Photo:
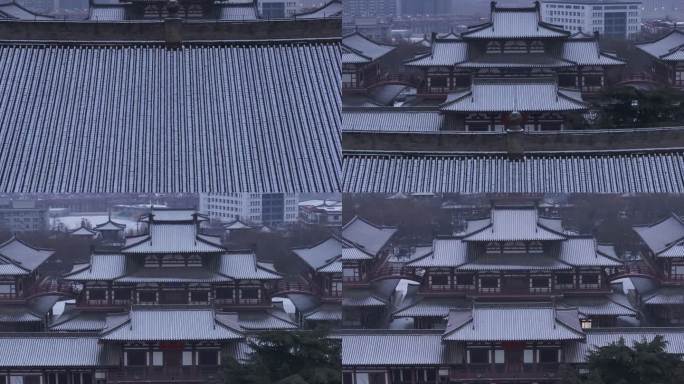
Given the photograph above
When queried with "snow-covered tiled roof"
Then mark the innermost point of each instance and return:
(583, 252)
(159, 323)
(12, 9)
(365, 47)
(172, 238)
(362, 298)
(513, 224)
(83, 231)
(353, 253)
(101, 267)
(445, 253)
(514, 23)
(244, 266)
(173, 275)
(668, 47)
(395, 120)
(237, 224)
(55, 350)
(110, 225)
(587, 52)
(665, 296)
(664, 237)
(430, 307)
(73, 320)
(224, 117)
(351, 56)
(18, 314)
(513, 322)
(325, 312)
(19, 258)
(273, 319)
(367, 236)
(608, 305)
(322, 254)
(614, 172)
(444, 53)
(398, 348)
(507, 94)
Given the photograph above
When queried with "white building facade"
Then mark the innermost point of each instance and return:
(278, 9)
(255, 208)
(611, 18)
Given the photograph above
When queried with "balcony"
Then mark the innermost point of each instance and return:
(472, 291)
(514, 371)
(166, 375)
(395, 271)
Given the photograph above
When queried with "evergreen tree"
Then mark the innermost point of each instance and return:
(645, 362)
(298, 357)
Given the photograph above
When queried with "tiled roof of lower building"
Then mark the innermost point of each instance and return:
(325, 312)
(273, 319)
(159, 323)
(513, 322)
(20, 258)
(371, 238)
(393, 348)
(55, 350)
(139, 117)
(620, 172)
(431, 307)
(665, 296)
(608, 305)
(663, 237)
(522, 95)
(383, 120)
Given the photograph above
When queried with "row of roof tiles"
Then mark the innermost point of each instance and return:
(631, 172)
(217, 117)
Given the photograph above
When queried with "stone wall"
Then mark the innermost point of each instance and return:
(565, 141)
(171, 30)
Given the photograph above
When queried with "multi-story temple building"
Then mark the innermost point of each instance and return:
(361, 62)
(25, 300)
(146, 343)
(171, 263)
(515, 254)
(167, 305)
(318, 292)
(366, 247)
(667, 56)
(513, 297)
(515, 42)
(530, 343)
(663, 252)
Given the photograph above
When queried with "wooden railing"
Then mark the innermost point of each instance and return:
(504, 371)
(165, 374)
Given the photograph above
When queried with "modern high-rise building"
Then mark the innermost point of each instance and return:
(255, 208)
(22, 216)
(366, 8)
(277, 9)
(612, 18)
